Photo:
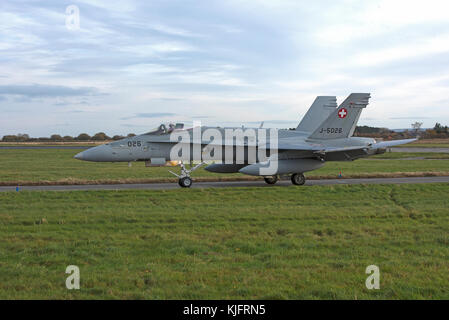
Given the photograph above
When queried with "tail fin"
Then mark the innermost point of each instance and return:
(317, 113)
(342, 122)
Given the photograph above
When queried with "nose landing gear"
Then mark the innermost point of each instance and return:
(185, 180)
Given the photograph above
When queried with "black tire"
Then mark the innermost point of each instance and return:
(298, 179)
(271, 180)
(185, 182)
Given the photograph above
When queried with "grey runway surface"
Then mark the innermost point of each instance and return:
(261, 184)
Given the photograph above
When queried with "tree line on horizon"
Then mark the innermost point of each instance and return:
(438, 131)
(83, 137)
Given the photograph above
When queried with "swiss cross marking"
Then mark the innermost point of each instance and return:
(342, 113)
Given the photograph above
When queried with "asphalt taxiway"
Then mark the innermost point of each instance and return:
(222, 184)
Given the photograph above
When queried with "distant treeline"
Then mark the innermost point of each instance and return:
(100, 136)
(438, 131)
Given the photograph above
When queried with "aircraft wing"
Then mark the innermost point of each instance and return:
(292, 144)
(380, 145)
(296, 145)
(283, 143)
(319, 148)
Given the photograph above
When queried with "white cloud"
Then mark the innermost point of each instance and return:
(149, 50)
(354, 21)
(419, 48)
(112, 5)
(232, 61)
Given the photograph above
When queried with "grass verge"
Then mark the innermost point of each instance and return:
(232, 243)
(57, 166)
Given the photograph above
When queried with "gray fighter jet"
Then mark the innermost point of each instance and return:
(324, 134)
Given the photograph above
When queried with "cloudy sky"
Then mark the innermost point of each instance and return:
(133, 64)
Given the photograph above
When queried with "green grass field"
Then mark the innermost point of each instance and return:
(231, 243)
(58, 165)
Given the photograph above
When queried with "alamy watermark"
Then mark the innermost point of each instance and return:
(72, 18)
(373, 280)
(73, 280)
(228, 145)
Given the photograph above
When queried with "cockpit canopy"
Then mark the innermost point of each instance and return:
(166, 128)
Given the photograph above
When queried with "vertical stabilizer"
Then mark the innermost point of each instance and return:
(321, 108)
(342, 121)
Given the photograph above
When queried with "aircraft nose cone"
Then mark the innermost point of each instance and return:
(96, 154)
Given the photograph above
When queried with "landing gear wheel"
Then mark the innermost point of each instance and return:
(184, 179)
(185, 182)
(271, 180)
(298, 179)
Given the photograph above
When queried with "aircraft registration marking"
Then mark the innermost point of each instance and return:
(134, 144)
(331, 130)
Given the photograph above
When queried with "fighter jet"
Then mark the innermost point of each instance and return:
(324, 134)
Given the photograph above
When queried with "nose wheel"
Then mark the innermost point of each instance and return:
(298, 179)
(185, 180)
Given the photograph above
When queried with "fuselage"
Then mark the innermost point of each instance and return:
(158, 145)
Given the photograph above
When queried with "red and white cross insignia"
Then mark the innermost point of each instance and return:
(342, 113)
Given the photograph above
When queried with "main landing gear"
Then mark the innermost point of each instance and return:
(185, 180)
(298, 179)
(271, 179)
